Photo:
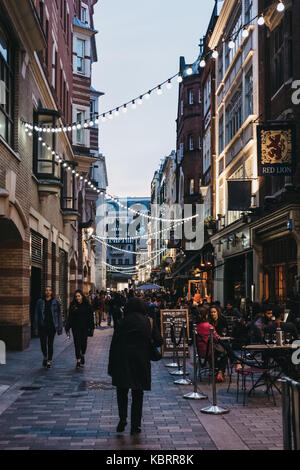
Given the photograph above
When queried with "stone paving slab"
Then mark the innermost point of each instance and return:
(61, 415)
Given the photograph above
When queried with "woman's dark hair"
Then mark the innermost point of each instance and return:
(218, 310)
(202, 314)
(84, 298)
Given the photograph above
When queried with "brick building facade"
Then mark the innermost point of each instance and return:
(44, 209)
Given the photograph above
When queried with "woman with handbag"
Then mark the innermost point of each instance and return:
(129, 362)
(81, 320)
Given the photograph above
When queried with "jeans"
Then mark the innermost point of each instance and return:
(80, 342)
(136, 406)
(47, 339)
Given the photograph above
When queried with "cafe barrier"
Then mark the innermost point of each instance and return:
(173, 364)
(179, 371)
(184, 380)
(195, 395)
(214, 409)
(290, 414)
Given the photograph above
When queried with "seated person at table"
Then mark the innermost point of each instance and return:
(216, 319)
(240, 334)
(286, 327)
(231, 311)
(256, 330)
(204, 349)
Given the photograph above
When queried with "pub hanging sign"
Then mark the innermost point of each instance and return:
(276, 149)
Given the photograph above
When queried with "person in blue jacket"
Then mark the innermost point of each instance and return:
(47, 322)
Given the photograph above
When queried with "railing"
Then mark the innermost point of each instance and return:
(291, 414)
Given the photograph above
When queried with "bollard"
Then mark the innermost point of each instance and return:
(174, 363)
(286, 421)
(179, 371)
(195, 395)
(214, 409)
(184, 380)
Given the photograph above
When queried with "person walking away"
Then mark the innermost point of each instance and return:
(129, 362)
(81, 321)
(47, 322)
(107, 308)
(97, 306)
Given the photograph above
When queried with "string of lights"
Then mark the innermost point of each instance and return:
(110, 114)
(115, 112)
(245, 32)
(120, 249)
(147, 235)
(137, 266)
(60, 160)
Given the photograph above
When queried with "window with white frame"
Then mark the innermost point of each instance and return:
(191, 142)
(191, 97)
(80, 56)
(233, 116)
(79, 132)
(235, 215)
(84, 14)
(249, 93)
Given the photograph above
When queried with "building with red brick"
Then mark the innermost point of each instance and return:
(47, 213)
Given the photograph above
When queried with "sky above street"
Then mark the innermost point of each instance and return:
(139, 44)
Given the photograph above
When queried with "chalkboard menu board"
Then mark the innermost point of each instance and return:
(179, 318)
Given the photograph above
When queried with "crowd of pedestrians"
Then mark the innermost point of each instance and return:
(136, 320)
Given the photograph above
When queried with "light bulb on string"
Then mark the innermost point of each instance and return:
(280, 6)
(148, 95)
(78, 126)
(103, 119)
(133, 104)
(261, 20)
(245, 32)
(110, 116)
(159, 90)
(85, 125)
(202, 63)
(215, 54)
(124, 109)
(97, 121)
(179, 79)
(189, 71)
(169, 84)
(231, 44)
(140, 100)
(91, 123)
(117, 112)
(69, 128)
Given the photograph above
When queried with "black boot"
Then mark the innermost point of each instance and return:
(122, 425)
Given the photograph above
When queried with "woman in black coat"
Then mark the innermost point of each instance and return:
(81, 320)
(129, 362)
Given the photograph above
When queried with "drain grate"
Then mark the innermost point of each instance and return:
(29, 389)
(95, 385)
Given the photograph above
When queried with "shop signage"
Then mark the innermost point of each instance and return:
(179, 318)
(276, 149)
(239, 195)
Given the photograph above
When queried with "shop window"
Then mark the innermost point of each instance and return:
(45, 164)
(6, 88)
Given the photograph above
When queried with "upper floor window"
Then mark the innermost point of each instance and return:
(84, 16)
(233, 117)
(248, 11)
(68, 181)
(191, 142)
(79, 132)
(249, 93)
(45, 164)
(199, 97)
(277, 57)
(93, 112)
(181, 107)
(6, 88)
(80, 56)
(191, 97)
(237, 35)
(221, 134)
(207, 95)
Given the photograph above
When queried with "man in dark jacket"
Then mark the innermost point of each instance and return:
(129, 362)
(47, 322)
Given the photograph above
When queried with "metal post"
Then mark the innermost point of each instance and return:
(195, 395)
(179, 371)
(173, 364)
(287, 438)
(214, 409)
(184, 380)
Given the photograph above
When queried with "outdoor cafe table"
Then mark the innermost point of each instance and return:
(266, 377)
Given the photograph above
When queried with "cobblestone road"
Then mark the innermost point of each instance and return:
(69, 409)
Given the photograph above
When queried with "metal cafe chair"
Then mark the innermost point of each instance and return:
(203, 361)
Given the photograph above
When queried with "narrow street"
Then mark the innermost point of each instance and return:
(68, 409)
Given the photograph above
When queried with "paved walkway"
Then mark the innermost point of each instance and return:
(68, 409)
